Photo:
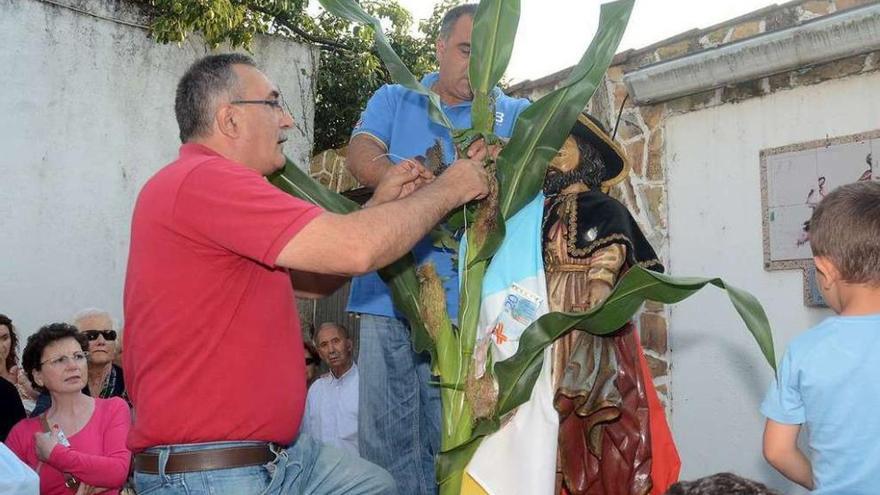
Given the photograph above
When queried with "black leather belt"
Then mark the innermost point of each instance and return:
(205, 460)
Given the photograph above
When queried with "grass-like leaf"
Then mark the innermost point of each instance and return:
(350, 10)
(543, 127)
(494, 32)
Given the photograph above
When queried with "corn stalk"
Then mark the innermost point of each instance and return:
(518, 175)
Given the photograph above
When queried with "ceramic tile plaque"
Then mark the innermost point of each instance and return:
(794, 179)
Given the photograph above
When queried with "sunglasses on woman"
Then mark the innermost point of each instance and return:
(107, 334)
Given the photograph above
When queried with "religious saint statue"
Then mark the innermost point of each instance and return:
(608, 407)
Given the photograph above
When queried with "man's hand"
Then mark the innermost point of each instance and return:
(467, 179)
(400, 181)
(479, 150)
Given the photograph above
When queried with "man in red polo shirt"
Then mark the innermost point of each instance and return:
(214, 357)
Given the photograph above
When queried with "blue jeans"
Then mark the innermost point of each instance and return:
(306, 467)
(399, 417)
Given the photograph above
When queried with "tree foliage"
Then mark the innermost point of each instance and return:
(350, 69)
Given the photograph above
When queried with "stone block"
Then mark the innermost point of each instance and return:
(328, 168)
(615, 73)
(657, 366)
(635, 154)
(714, 38)
(694, 102)
(745, 30)
(599, 105)
(818, 7)
(316, 164)
(343, 180)
(785, 17)
(871, 61)
(779, 82)
(653, 332)
(655, 197)
(628, 128)
(848, 4)
(629, 197)
(674, 50)
(620, 93)
(663, 392)
(653, 115)
(642, 60)
(654, 165)
(832, 70)
(741, 91)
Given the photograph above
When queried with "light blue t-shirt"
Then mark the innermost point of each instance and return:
(829, 381)
(398, 118)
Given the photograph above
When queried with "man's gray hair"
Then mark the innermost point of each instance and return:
(92, 313)
(207, 80)
(453, 15)
(331, 324)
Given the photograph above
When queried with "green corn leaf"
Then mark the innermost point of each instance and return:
(350, 10)
(517, 375)
(400, 276)
(297, 183)
(453, 462)
(542, 128)
(492, 38)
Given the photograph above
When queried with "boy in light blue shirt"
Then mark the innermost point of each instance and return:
(829, 378)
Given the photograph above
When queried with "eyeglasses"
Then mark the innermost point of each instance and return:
(278, 103)
(63, 361)
(107, 334)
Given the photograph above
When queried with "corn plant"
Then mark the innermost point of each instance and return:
(516, 177)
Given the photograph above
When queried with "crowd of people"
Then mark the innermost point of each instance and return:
(218, 391)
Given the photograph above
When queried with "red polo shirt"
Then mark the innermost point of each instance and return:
(213, 349)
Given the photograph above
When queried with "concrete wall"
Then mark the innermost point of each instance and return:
(86, 118)
(714, 208)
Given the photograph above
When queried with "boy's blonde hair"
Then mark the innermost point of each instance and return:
(845, 228)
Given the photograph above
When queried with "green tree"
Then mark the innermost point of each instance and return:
(350, 68)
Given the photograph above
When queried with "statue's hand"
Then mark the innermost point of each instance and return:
(597, 293)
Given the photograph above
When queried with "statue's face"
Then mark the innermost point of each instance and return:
(568, 157)
(574, 164)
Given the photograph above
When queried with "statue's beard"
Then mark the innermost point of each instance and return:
(589, 174)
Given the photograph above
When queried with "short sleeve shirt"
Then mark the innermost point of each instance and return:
(829, 381)
(213, 349)
(397, 118)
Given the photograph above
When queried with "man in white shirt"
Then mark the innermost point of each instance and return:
(332, 404)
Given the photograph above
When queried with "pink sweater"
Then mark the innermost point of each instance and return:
(97, 454)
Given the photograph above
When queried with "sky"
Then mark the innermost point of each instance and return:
(553, 34)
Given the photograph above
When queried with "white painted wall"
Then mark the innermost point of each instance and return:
(718, 376)
(86, 117)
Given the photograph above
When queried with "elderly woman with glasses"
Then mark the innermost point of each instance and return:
(78, 444)
(105, 378)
